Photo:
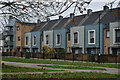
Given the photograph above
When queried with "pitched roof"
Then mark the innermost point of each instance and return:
(105, 18)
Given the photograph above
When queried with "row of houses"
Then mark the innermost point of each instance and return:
(95, 33)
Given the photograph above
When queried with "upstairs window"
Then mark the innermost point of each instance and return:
(18, 38)
(91, 36)
(58, 39)
(107, 34)
(76, 38)
(68, 36)
(26, 41)
(117, 35)
(18, 28)
(47, 39)
(34, 40)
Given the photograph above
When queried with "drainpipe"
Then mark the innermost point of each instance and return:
(99, 33)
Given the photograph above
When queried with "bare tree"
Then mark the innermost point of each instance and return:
(26, 11)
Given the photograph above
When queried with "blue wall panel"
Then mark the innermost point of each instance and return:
(38, 35)
(63, 44)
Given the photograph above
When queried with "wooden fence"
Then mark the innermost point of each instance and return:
(69, 56)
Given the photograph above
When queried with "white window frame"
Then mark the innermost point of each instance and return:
(45, 40)
(33, 40)
(78, 37)
(18, 28)
(106, 33)
(27, 42)
(114, 35)
(19, 38)
(89, 37)
(57, 39)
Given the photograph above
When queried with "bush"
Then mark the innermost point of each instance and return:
(46, 49)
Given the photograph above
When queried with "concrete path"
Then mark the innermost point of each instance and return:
(33, 65)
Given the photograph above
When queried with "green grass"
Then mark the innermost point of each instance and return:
(58, 62)
(8, 69)
(63, 75)
(71, 67)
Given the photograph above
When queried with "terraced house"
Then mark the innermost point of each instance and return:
(21, 28)
(78, 34)
(91, 33)
(77, 39)
(115, 38)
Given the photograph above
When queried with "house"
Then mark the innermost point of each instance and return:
(36, 41)
(1, 43)
(48, 38)
(21, 28)
(28, 42)
(115, 38)
(77, 34)
(106, 40)
(94, 38)
(60, 39)
(77, 39)
(9, 34)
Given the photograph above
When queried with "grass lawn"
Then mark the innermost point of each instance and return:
(8, 69)
(64, 75)
(58, 62)
(72, 67)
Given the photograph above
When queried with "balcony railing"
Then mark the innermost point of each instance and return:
(8, 43)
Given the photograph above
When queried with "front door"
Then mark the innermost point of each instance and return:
(114, 51)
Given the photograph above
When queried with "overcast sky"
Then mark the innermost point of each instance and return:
(95, 5)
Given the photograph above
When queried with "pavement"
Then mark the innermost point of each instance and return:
(34, 65)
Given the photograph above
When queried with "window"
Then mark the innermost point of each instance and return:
(117, 35)
(26, 41)
(91, 37)
(18, 38)
(75, 37)
(107, 34)
(34, 40)
(58, 39)
(18, 28)
(68, 36)
(47, 39)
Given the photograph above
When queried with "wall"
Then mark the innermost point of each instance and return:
(38, 35)
(106, 43)
(63, 44)
(28, 34)
(12, 22)
(68, 43)
(50, 36)
(114, 45)
(23, 28)
(79, 29)
(96, 45)
(112, 26)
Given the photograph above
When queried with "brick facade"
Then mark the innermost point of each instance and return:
(106, 42)
(20, 33)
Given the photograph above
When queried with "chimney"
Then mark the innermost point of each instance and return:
(89, 11)
(60, 17)
(11, 17)
(38, 21)
(72, 15)
(105, 8)
(48, 19)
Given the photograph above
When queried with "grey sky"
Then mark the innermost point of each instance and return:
(95, 5)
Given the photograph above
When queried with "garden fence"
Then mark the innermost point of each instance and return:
(68, 56)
